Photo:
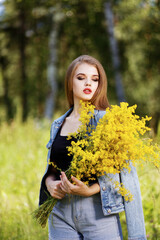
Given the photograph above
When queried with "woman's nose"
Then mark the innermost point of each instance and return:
(88, 82)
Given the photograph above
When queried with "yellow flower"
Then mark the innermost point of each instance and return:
(107, 149)
(116, 141)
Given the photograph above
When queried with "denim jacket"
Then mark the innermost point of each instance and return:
(112, 202)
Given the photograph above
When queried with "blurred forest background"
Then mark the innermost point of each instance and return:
(38, 41)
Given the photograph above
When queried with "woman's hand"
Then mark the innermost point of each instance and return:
(79, 188)
(53, 187)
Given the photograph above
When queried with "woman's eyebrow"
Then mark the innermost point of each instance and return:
(80, 74)
(95, 75)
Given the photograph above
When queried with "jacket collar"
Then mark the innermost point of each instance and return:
(60, 120)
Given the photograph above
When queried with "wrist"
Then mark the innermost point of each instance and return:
(48, 180)
(93, 189)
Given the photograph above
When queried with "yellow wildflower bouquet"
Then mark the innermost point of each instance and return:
(110, 147)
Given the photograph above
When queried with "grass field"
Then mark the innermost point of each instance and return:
(22, 163)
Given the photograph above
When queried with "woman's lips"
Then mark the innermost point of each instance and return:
(87, 91)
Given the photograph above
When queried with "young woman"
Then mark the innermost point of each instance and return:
(87, 212)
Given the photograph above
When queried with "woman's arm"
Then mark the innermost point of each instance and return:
(79, 188)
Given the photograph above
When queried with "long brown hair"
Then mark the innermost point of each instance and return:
(99, 99)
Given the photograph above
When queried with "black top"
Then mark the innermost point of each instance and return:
(59, 151)
(59, 155)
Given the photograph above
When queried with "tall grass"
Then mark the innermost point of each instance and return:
(22, 163)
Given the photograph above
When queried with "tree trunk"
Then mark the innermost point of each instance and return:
(7, 100)
(24, 86)
(51, 72)
(114, 52)
(155, 123)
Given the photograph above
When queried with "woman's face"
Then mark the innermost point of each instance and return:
(85, 82)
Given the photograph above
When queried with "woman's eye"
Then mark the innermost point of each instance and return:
(95, 79)
(80, 78)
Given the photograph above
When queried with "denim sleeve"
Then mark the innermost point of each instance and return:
(43, 195)
(134, 209)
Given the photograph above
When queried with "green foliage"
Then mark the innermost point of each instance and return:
(73, 40)
(22, 163)
(81, 30)
(137, 29)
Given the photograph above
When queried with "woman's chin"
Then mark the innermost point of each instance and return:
(86, 98)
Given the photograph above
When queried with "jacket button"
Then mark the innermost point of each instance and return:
(104, 188)
(109, 211)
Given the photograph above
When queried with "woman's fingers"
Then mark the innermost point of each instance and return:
(77, 181)
(57, 193)
(79, 188)
(59, 188)
(64, 180)
(55, 189)
(66, 185)
(63, 188)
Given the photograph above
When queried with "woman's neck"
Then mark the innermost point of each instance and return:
(75, 113)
